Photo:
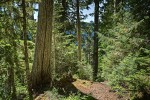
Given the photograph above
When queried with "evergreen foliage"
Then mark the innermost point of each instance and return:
(123, 46)
(122, 39)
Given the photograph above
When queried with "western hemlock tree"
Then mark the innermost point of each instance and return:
(95, 51)
(26, 50)
(78, 31)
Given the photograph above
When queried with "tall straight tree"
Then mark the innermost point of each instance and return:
(24, 25)
(95, 51)
(41, 70)
(8, 34)
(78, 30)
(117, 6)
(64, 10)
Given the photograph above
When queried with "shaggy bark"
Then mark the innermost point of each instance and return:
(42, 71)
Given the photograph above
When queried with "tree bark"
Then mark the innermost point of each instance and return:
(95, 51)
(13, 95)
(26, 50)
(64, 12)
(78, 31)
(41, 70)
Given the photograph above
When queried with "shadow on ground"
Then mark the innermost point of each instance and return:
(67, 88)
(64, 88)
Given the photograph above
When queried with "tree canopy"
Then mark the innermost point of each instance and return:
(59, 47)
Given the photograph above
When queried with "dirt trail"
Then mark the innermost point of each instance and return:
(99, 91)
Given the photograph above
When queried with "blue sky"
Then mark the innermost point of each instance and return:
(89, 11)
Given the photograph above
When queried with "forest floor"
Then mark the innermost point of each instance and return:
(97, 90)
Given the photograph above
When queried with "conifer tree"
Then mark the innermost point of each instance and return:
(95, 50)
(78, 30)
(41, 71)
(24, 25)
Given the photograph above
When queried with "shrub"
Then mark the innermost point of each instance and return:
(84, 70)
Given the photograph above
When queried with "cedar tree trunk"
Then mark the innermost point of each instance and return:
(41, 70)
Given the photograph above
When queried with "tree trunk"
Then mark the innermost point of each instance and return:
(13, 95)
(117, 6)
(42, 71)
(114, 7)
(11, 89)
(64, 10)
(26, 50)
(78, 31)
(95, 51)
(53, 56)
